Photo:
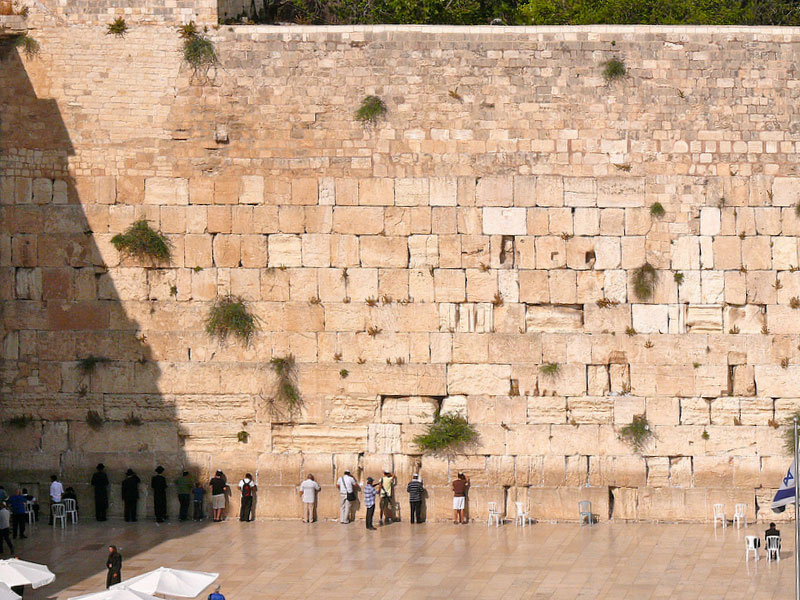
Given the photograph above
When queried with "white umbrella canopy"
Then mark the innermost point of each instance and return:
(116, 594)
(14, 571)
(6, 593)
(170, 582)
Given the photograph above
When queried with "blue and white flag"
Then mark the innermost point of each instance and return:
(786, 492)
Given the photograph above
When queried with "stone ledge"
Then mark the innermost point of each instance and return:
(11, 25)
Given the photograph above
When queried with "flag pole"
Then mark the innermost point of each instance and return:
(796, 511)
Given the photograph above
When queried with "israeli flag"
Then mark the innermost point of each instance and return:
(786, 492)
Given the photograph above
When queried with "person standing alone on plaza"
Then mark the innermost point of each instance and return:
(56, 493)
(100, 485)
(369, 501)
(460, 487)
(347, 496)
(114, 566)
(248, 487)
(130, 495)
(415, 491)
(308, 492)
(19, 519)
(159, 485)
(388, 481)
(183, 487)
(219, 485)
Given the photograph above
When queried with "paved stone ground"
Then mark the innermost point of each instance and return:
(292, 560)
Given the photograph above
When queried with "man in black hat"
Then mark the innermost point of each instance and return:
(100, 484)
(130, 494)
(159, 485)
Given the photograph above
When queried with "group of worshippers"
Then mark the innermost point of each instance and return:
(189, 492)
(380, 492)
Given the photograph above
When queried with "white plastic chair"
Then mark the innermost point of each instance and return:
(719, 514)
(585, 512)
(493, 514)
(30, 512)
(740, 515)
(59, 514)
(751, 545)
(71, 509)
(773, 547)
(522, 514)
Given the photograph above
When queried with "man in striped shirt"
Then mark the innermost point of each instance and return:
(415, 491)
(369, 501)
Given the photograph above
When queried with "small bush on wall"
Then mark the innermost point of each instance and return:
(447, 434)
(614, 69)
(644, 281)
(118, 27)
(231, 316)
(198, 51)
(142, 242)
(371, 109)
(286, 392)
(637, 434)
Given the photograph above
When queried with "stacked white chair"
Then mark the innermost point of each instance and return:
(494, 513)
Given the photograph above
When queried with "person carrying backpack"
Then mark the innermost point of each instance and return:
(248, 488)
(216, 595)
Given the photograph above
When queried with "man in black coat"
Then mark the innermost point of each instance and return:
(130, 494)
(114, 566)
(100, 485)
(159, 485)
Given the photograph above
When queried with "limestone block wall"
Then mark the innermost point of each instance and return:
(490, 224)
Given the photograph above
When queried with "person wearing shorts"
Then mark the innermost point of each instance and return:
(219, 486)
(387, 483)
(460, 487)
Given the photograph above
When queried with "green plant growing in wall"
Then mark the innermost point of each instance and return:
(118, 27)
(549, 369)
(243, 437)
(678, 277)
(19, 421)
(343, 373)
(94, 420)
(231, 316)
(447, 434)
(132, 420)
(657, 210)
(141, 241)
(637, 433)
(29, 46)
(614, 69)
(88, 365)
(644, 281)
(788, 432)
(198, 51)
(371, 109)
(286, 391)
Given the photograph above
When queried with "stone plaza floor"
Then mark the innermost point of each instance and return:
(326, 560)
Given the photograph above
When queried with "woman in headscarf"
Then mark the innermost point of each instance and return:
(114, 566)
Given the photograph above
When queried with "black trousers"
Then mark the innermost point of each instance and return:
(183, 499)
(160, 505)
(5, 535)
(100, 503)
(18, 523)
(130, 509)
(112, 577)
(416, 511)
(246, 512)
(198, 510)
(370, 514)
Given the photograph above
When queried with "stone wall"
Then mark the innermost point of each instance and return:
(491, 224)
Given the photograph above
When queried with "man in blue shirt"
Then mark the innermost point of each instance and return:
(216, 595)
(369, 501)
(17, 503)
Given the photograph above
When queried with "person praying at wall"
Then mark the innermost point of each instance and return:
(100, 485)
(130, 494)
(159, 485)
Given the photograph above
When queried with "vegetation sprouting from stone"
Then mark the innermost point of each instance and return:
(132, 420)
(19, 421)
(198, 51)
(29, 46)
(614, 69)
(243, 437)
(230, 316)
(142, 242)
(549, 369)
(371, 109)
(88, 365)
(637, 433)
(448, 433)
(286, 392)
(117, 27)
(644, 281)
(678, 277)
(657, 210)
(788, 432)
(94, 420)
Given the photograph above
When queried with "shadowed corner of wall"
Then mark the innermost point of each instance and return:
(59, 306)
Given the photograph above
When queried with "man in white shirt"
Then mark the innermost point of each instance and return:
(56, 491)
(248, 488)
(308, 492)
(347, 496)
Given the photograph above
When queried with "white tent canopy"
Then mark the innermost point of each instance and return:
(21, 572)
(7, 594)
(170, 582)
(116, 594)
